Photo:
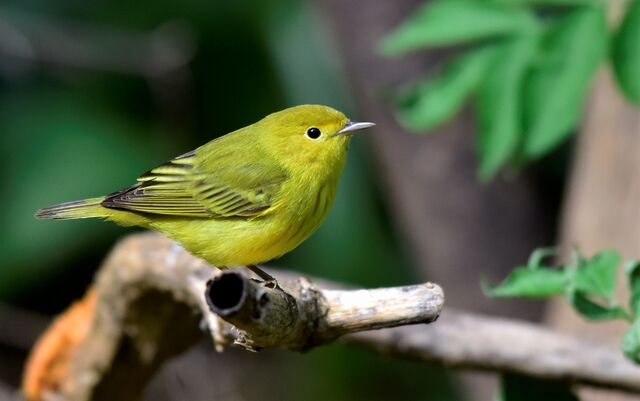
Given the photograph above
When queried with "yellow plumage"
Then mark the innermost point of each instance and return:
(244, 198)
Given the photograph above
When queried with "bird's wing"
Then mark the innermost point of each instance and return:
(185, 187)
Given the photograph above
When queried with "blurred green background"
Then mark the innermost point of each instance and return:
(94, 93)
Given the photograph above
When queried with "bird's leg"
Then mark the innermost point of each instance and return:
(269, 280)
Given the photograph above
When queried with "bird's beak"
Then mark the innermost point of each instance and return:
(351, 126)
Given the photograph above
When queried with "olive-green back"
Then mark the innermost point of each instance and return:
(232, 176)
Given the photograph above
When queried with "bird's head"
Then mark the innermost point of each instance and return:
(310, 136)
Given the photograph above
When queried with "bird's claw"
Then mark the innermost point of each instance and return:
(273, 284)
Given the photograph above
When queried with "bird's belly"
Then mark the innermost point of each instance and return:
(238, 242)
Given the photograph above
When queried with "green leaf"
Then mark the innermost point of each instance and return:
(555, 90)
(522, 388)
(537, 256)
(595, 311)
(499, 104)
(435, 100)
(631, 342)
(597, 276)
(530, 283)
(625, 53)
(592, 282)
(632, 270)
(548, 3)
(453, 22)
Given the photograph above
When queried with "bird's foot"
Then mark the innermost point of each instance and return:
(273, 284)
(268, 280)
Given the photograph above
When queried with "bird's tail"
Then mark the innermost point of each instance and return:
(80, 209)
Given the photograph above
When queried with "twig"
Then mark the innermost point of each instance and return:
(150, 299)
(29, 39)
(161, 56)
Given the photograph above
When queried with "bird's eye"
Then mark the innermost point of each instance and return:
(313, 133)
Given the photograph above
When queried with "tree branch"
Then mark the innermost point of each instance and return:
(301, 315)
(141, 312)
(148, 298)
(464, 340)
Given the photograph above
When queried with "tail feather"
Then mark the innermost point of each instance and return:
(80, 209)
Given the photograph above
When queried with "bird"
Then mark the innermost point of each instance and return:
(241, 199)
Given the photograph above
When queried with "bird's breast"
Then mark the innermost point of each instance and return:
(305, 213)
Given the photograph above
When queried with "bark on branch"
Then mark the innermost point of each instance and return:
(148, 301)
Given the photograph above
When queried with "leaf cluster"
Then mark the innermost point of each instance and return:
(588, 284)
(526, 65)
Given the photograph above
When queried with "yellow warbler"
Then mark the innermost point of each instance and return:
(244, 198)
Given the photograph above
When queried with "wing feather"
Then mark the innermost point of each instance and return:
(181, 187)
